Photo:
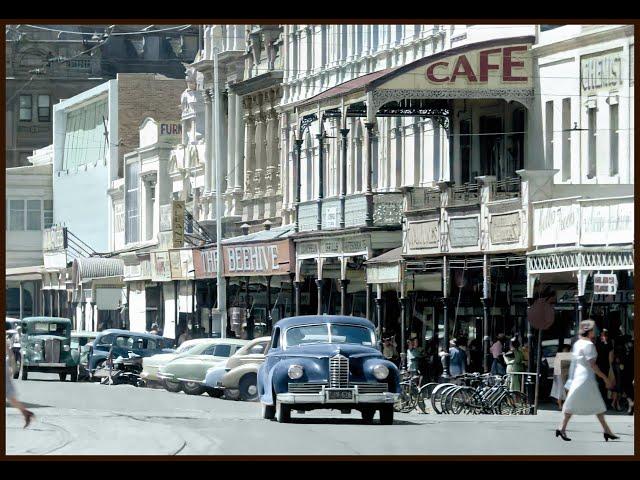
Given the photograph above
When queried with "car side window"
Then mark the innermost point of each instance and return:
(209, 350)
(152, 344)
(107, 340)
(276, 338)
(223, 350)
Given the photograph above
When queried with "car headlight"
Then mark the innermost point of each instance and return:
(380, 372)
(66, 348)
(295, 372)
(37, 347)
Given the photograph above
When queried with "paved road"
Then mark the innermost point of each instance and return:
(89, 418)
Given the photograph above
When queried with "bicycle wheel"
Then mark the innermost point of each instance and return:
(436, 396)
(506, 405)
(446, 399)
(424, 395)
(460, 401)
(408, 398)
(520, 402)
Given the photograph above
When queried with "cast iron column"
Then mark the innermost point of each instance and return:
(269, 320)
(486, 339)
(296, 286)
(343, 296)
(581, 311)
(343, 186)
(194, 322)
(529, 336)
(319, 283)
(403, 329)
(248, 308)
(292, 276)
(368, 302)
(369, 172)
(22, 301)
(379, 319)
(320, 138)
(176, 294)
(445, 312)
(298, 179)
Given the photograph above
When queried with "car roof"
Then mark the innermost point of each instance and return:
(307, 319)
(84, 334)
(47, 319)
(118, 331)
(232, 341)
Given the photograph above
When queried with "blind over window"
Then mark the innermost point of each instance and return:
(84, 140)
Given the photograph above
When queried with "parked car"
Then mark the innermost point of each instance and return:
(187, 372)
(123, 341)
(326, 362)
(238, 378)
(151, 365)
(45, 346)
(81, 343)
(12, 333)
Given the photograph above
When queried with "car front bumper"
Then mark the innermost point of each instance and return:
(323, 398)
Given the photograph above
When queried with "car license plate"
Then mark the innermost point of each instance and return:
(340, 395)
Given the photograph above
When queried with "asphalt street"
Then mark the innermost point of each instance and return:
(93, 419)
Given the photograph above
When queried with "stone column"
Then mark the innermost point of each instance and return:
(343, 296)
(259, 172)
(298, 180)
(239, 147)
(249, 158)
(343, 174)
(208, 141)
(272, 153)
(368, 174)
(212, 151)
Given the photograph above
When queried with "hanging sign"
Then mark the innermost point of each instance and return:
(160, 267)
(177, 222)
(605, 284)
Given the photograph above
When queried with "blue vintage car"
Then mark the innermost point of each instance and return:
(326, 362)
(123, 341)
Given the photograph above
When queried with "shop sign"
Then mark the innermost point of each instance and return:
(605, 223)
(108, 298)
(383, 273)
(620, 297)
(307, 249)
(54, 239)
(160, 267)
(464, 232)
(506, 65)
(257, 259)
(505, 228)
(177, 222)
(555, 224)
(181, 264)
(205, 262)
(423, 234)
(601, 71)
(332, 247)
(165, 217)
(355, 246)
(152, 132)
(605, 284)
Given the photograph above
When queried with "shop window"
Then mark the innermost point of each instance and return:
(132, 226)
(44, 108)
(566, 139)
(25, 108)
(613, 139)
(16, 215)
(34, 215)
(592, 144)
(465, 150)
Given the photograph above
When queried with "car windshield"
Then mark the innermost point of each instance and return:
(47, 328)
(334, 333)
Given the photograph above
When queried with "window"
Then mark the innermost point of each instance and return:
(84, 139)
(592, 145)
(48, 213)
(34, 215)
(566, 139)
(131, 206)
(613, 139)
(16, 215)
(223, 351)
(25, 108)
(44, 108)
(465, 149)
(548, 134)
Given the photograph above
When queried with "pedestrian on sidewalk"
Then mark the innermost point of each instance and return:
(514, 359)
(583, 397)
(457, 359)
(561, 366)
(604, 348)
(498, 365)
(11, 391)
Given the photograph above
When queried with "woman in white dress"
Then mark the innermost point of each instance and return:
(584, 397)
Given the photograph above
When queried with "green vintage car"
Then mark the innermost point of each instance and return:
(187, 372)
(45, 346)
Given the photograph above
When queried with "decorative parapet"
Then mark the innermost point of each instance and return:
(387, 209)
(355, 211)
(331, 213)
(307, 216)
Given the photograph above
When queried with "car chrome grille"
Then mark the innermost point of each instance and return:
(338, 371)
(371, 387)
(305, 387)
(52, 350)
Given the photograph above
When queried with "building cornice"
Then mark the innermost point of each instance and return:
(583, 40)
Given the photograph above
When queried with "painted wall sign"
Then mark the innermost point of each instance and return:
(182, 267)
(160, 267)
(601, 71)
(152, 132)
(257, 259)
(505, 228)
(307, 248)
(383, 273)
(555, 224)
(605, 284)
(177, 222)
(608, 222)
(355, 245)
(205, 262)
(165, 217)
(464, 232)
(138, 271)
(424, 234)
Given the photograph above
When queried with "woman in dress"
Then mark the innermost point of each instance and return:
(514, 359)
(584, 396)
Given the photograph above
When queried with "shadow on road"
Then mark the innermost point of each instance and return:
(343, 421)
(31, 405)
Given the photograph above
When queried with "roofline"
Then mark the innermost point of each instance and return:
(447, 53)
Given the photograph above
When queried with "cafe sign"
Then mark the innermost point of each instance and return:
(273, 258)
(54, 239)
(423, 234)
(605, 284)
(505, 228)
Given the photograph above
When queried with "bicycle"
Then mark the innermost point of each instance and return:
(409, 393)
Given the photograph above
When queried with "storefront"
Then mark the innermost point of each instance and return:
(258, 269)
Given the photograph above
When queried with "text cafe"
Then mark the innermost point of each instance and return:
(259, 288)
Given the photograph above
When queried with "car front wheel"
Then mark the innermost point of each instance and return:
(367, 415)
(386, 415)
(74, 375)
(249, 387)
(63, 377)
(283, 412)
(268, 412)
(173, 387)
(192, 388)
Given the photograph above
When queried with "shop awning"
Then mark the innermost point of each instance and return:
(277, 233)
(385, 268)
(392, 256)
(24, 274)
(93, 268)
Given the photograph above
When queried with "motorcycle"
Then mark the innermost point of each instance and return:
(125, 371)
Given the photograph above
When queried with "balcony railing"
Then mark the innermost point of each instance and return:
(424, 199)
(506, 189)
(467, 194)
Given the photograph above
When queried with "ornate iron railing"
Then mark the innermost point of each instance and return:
(506, 189)
(466, 194)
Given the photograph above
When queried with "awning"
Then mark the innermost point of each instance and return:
(89, 268)
(24, 274)
(277, 233)
(385, 268)
(392, 256)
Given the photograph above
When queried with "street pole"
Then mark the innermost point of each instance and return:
(538, 362)
(222, 294)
